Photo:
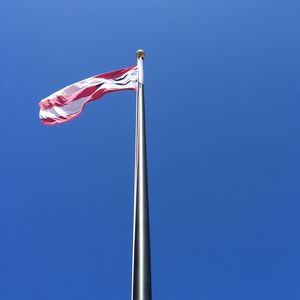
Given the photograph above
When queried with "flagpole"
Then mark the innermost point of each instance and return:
(141, 262)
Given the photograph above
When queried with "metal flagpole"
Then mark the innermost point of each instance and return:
(141, 263)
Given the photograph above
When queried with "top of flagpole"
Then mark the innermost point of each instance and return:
(140, 59)
(140, 53)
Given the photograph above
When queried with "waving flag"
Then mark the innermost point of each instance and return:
(69, 102)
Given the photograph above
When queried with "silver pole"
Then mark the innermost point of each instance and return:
(141, 262)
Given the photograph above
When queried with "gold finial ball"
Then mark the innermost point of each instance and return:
(140, 53)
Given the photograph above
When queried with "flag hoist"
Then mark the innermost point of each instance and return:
(67, 104)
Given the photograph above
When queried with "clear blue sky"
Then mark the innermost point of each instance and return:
(222, 104)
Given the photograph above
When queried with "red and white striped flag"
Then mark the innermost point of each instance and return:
(69, 102)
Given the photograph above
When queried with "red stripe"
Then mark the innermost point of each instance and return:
(114, 74)
(95, 96)
(48, 103)
(101, 92)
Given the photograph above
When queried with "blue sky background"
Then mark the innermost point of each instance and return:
(222, 103)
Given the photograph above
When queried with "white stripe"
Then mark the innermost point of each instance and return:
(63, 111)
(113, 85)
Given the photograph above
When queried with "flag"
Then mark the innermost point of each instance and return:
(69, 102)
